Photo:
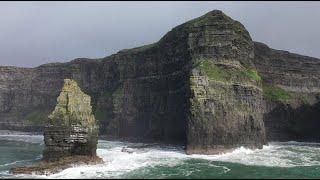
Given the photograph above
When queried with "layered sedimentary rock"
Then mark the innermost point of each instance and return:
(28, 95)
(199, 85)
(226, 102)
(71, 136)
(72, 129)
(291, 86)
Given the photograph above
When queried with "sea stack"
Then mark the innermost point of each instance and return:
(72, 129)
(71, 136)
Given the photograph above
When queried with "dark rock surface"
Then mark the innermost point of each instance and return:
(72, 129)
(48, 168)
(202, 84)
(226, 104)
(71, 137)
(293, 103)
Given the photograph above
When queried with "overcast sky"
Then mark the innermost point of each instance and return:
(34, 33)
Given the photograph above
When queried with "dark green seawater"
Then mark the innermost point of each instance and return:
(277, 160)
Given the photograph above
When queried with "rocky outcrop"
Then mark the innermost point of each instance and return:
(71, 136)
(72, 129)
(28, 95)
(49, 168)
(205, 84)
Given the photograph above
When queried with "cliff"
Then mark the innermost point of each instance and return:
(291, 85)
(205, 83)
(226, 95)
(28, 95)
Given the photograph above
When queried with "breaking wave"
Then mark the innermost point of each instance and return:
(118, 163)
(276, 154)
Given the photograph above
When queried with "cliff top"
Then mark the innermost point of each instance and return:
(214, 16)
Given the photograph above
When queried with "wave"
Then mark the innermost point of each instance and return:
(272, 155)
(118, 163)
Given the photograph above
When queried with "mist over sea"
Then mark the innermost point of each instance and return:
(276, 160)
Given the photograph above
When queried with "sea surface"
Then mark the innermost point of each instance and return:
(276, 160)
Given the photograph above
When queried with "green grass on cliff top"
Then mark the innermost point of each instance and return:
(253, 74)
(275, 93)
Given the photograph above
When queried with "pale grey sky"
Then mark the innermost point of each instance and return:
(34, 33)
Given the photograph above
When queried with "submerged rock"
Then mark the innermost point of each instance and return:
(127, 150)
(71, 136)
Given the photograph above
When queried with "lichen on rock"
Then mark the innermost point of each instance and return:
(73, 106)
(72, 129)
(72, 134)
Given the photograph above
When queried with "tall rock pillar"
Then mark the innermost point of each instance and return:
(72, 129)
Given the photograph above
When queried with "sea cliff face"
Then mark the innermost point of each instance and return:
(205, 84)
(226, 95)
(291, 86)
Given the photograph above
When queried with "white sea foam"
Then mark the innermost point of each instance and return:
(117, 163)
(273, 155)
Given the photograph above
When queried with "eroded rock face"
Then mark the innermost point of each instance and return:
(291, 93)
(149, 92)
(72, 129)
(226, 96)
(202, 85)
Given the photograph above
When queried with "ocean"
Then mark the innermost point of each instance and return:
(275, 160)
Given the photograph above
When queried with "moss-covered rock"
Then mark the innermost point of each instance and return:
(72, 134)
(72, 129)
(253, 74)
(275, 93)
(226, 96)
(73, 106)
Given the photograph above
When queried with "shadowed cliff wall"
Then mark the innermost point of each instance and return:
(205, 83)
